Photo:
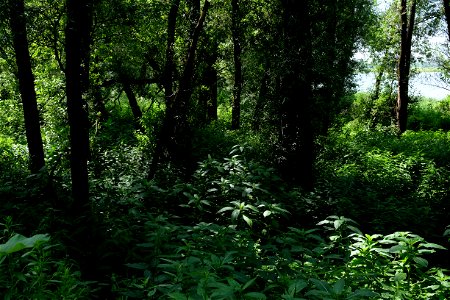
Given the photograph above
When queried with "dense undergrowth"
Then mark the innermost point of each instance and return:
(235, 229)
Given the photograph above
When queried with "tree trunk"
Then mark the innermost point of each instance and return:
(404, 63)
(76, 106)
(208, 91)
(169, 68)
(446, 4)
(261, 101)
(212, 100)
(26, 84)
(237, 89)
(174, 138)
(137, 113)
(297, 137)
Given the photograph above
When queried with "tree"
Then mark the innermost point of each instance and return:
(446, 4)
(296, 110)
(404, 62)
(237, 89)
(77, 12)
(26, 84)
(174, 137)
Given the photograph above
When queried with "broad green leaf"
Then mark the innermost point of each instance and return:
(247, 220)
(354, 229)
(338, 223)
(433, 246)
(267, 213)
(297, 286)
(177, 296)
(321, 285)
(225, 209)
(421, 261)
(338, 287)
(255, 295)
(19, 242)
(399, 276)
(397, 248)
(248, 283)
(235, 214)
(138, 266)
(363, 293)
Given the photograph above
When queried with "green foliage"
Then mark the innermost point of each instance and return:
(365, 108)
(428, 114)
(30, 271)
(388, 182)
(210, 261)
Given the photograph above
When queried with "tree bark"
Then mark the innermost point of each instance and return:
(76, 106)
(404, 63)
(174, 138)
(209, 77)
(26, 84)
(237, 50)
(446, 4)
(137, 113)
(297, 137)
(261, 101)
(169, 68)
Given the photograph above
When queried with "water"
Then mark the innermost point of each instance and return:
(425, 84)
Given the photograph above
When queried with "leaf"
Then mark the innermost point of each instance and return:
(397, 248)
(255, 295)
(225, 209)
(297, 286)
(354, 229)
(433, 246)
(177, 296)
(235, 214)
(421, 261)
(363, 293)
(138, 266)
(267, 213)
(399, 276)
(251, 207)
(19, 242)
(247, 220)
(321, 285)
(338, 287)
(249, 283)
(338, 223)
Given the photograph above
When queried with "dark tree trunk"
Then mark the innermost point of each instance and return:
(208, 91)
(237, 89)
(84, 236)
(26, 84)
(76, 106)
(446, 4)
(261, 101)
(169, 68)
(137, 113)
(212, 100)
(194, 13)
(297, 135)
(404, 63)
(174, 138)
(378, 79)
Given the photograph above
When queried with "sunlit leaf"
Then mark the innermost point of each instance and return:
(247, 220)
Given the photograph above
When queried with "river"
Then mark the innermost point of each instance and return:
(426, 84)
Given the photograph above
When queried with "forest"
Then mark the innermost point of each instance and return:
(221, 149)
